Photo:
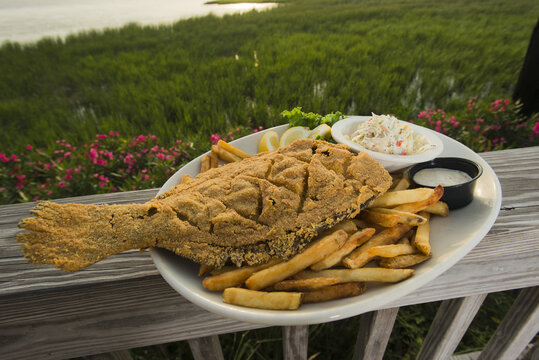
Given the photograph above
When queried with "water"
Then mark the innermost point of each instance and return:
(30, 20)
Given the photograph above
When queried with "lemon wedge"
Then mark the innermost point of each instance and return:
(294, 133)
(322, 130)
(270, 141)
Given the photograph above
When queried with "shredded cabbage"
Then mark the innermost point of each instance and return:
(384, 133)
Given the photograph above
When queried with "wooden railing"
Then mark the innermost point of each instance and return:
(123, 302)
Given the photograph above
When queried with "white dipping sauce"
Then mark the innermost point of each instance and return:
(437, 176)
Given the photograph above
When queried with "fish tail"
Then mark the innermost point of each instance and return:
(74, 236)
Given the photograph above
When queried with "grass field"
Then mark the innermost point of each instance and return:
(205, 75)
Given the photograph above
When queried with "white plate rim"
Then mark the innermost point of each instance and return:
(307, 315)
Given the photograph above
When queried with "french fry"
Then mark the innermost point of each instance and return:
(362, 224)
(304, 259)
(417, 206)
(186, 178)
(360, 256)
(234, 277)
(404, 240)
(402, 184)
(403, 217)
(394, 198)
(214, 160)
(421, 239)
(403, 261)
(360, 275)
(205, 269)
(347, 225)
(231, 149)
(205, 163)
(224, 155)
(353, 242)
(385, 220)
(392, 250)
(333, 292)
(304, 284)
(438, 208)
(262, 299)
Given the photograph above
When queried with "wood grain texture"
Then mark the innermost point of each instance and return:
(517, 329)
(115, 355)
(206, 348)
(123, 302)
(295, 342)
(374, 331)
(449, 326)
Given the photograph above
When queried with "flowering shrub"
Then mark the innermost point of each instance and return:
(485, 127)
(110, 163)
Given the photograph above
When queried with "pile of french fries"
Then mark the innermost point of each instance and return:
(380, 245)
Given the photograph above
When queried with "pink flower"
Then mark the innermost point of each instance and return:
(215, 138)
(114, 189)
(20, 186)
(29, 147)
(96, 175)
(92, 154)
(160, 156)
(146, 177)
(62, 184)
(3, 157)
(35, 198)
(14, 157)
(421, 114)
(67, 177)
(101, 137)
(169, 157)
(536, 127)
(67, 154)
(255, 130)
(20, 177)
(477, 127)
(102, 184)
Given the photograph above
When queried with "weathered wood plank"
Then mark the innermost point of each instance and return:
(295, 342)
(517, 329)
(206, 348)
(102, 318)
(115, 355)
(449, 326)
(374, 331)
(17, 275)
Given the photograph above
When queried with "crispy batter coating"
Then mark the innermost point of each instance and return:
(269, 205)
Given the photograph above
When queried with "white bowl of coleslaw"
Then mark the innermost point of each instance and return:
(396, 144)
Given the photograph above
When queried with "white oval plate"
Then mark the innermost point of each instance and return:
(451, 239)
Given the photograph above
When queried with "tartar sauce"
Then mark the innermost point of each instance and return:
(437, 176)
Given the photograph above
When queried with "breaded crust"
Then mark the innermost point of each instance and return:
(269, 205)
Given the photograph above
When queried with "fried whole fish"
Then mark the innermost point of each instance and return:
(270, 205)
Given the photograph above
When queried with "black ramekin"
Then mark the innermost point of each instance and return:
(455, 196)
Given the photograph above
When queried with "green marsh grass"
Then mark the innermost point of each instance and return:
(204, 75)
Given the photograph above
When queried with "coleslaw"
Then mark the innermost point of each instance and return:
(386, 134)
